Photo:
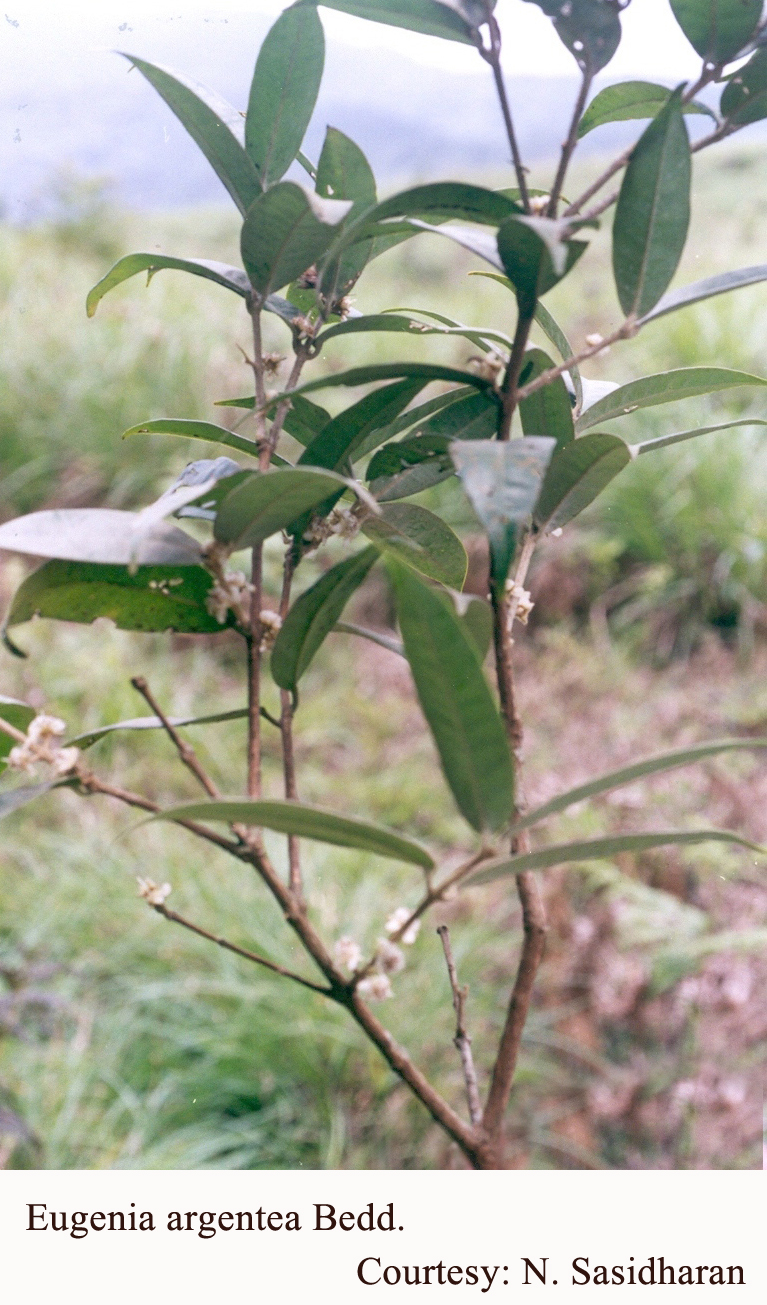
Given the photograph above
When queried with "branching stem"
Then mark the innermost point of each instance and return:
(462, 1040)
(185, 750)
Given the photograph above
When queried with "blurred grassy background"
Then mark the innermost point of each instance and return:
(124, 1041)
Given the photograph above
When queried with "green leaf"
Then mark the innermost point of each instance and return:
(717, 29)
(286, 817)
(502, 481)
(576, 475)
(475, 615)
(706, 289)
(591, 30)
(380, 372)
(428, 16)
(270, 501)
(19, 797)
(630, 100)
(194, 430)
(343, 172)
(232, 278)
(400, 470)
(653, 212)
(535, 254)
(154, 598)
(456, 701)
(662, 442)
(284, 91)
(422, 540)
(213, 125)
(97, 535)
(343, 436)
(409, 325)
(18, 714)
(83, 741)
(594, 849)
(638, 770)
(286, 230)
(548, 411)
(304, 419)
(445, 201)
(664, 387)
(744, 98)
(420, 461)
(313, 616)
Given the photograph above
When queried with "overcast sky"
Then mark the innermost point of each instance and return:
(45, 34)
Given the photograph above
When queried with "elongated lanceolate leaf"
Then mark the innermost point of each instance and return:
(548, 411)
(304, 419)
(664, 387)
(456, 701)
(313, 616)
(678, 437)
(97, 535)
(83, 741)
(653, 211)
(594, 849)
(422, 539)
(286, 230)
(153, 598)
(343, 436)
(286, 817)
(591, 29)
(576, 475)
(535, 254)
(410, 325)
(502, 481)
(427, 16)
(14, 798)
(194, 430)
(270, 501)
(744, 98)
(214, 126)
(232, 278)
(343, 172)
(717, 29)
(631, 100)
(381, 372)
(18, 714)
(422, 460)
(284, 91)
(663, 761)
(706, 289)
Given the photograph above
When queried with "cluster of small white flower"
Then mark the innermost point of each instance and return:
(389, 958)
(521, 603)
(344, 522)
(154, 894)
(231, 590)
(43, 744)
(271, 624)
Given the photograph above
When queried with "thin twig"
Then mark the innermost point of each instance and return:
(286, 731)
(241, 951)
(570, 142)
(626, 331)
(493, 57)
(462, 1040)
(254, 674)
(438, 891)
(185, 750)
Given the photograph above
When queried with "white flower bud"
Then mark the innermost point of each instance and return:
(390, 957)
(154, 894)
(348, 953)
(64, 760)
(376, 987)
(43, 728)
(396, 921)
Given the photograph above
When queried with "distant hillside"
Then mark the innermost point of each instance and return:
(67, 102)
